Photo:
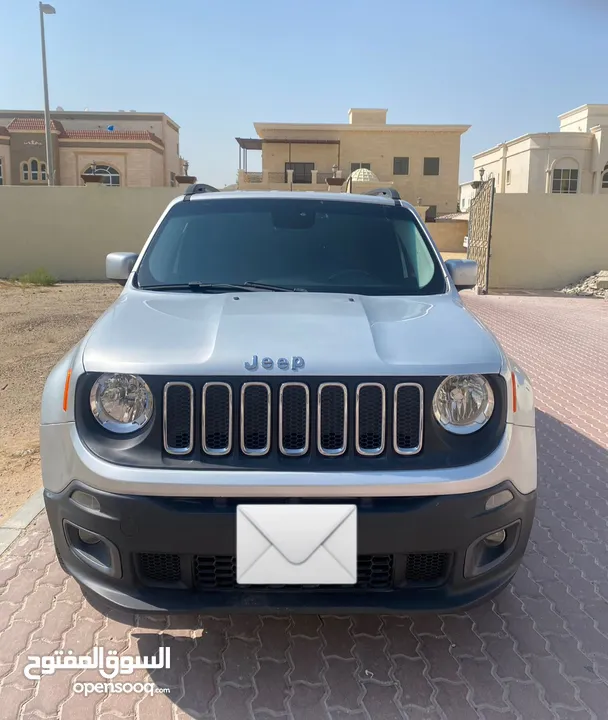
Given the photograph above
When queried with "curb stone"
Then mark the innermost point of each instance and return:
(12, 528)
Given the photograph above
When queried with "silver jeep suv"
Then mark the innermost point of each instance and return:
(289, 348)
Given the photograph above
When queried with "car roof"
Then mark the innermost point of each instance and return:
(298, 195)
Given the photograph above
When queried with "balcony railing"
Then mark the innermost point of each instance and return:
(316, 177)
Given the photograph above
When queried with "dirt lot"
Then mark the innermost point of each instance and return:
(37, 327)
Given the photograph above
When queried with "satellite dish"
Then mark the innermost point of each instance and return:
(111, 128)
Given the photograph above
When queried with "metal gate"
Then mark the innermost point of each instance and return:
(480, 231)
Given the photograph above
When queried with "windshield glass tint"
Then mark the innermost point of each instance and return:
(316, 245)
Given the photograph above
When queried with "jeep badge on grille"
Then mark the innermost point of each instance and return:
(296, 363)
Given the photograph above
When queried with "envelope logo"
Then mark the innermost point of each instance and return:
(296, 544)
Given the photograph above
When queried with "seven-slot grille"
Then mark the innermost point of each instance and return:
(330, 418)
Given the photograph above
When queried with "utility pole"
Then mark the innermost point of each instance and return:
(46, 9)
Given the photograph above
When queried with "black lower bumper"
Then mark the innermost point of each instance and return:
(177, 554)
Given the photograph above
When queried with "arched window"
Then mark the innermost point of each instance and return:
(565, 176)
(33, 171)
(605, 177)
(111, 176)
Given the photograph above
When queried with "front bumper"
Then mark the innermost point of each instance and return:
(175, 554)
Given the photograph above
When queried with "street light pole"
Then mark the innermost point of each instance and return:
(46, 9)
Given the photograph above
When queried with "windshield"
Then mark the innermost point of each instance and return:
(315, 245)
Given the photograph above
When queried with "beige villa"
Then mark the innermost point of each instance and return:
(131, 149)
(420, 161)
(570, 161)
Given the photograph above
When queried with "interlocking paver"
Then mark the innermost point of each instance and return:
(345, 690)
(306, 659)
(540, 650)
(269, 681)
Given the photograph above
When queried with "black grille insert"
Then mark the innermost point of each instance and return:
(160, 567)
(374, 572)
(218, 572)
(370, 419)
(332, 418)
(178, 418)
(294, 418)
(426, 568)
(408, 417)
(217, 418)
(255, 419)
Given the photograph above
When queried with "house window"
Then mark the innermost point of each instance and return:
(604, 178)
(359, 166)
(508, 177)
(431, 166)
(302, 172)
(111, 176)
(33, 171)
(401, 166)
(565, 181)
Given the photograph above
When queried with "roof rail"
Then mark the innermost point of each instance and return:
(384, 192)
(198, 188)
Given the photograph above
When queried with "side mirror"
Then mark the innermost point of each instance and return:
(119, 266)
(463, 273)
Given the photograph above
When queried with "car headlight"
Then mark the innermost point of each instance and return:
(463, 403)
(121, 403)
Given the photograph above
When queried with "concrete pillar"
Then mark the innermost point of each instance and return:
(314, 176)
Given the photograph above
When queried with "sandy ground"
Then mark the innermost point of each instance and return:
(37, 327)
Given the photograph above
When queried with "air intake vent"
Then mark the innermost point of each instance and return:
(255, 418)
(294, 419)
(160, 567)
(408, 418)
(333, 419)
(426, 568)
(178, 420)
(370, 418)
(217, 418)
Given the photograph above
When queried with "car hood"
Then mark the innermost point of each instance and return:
(335, 334)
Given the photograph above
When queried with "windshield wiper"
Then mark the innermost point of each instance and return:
(276, 288)
(220, 287)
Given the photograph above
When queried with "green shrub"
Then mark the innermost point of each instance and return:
(38, 277)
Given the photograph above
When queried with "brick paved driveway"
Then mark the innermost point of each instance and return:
(539, 651)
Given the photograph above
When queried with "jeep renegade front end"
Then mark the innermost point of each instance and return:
(281, 348)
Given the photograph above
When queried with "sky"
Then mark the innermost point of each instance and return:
(505, 67)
